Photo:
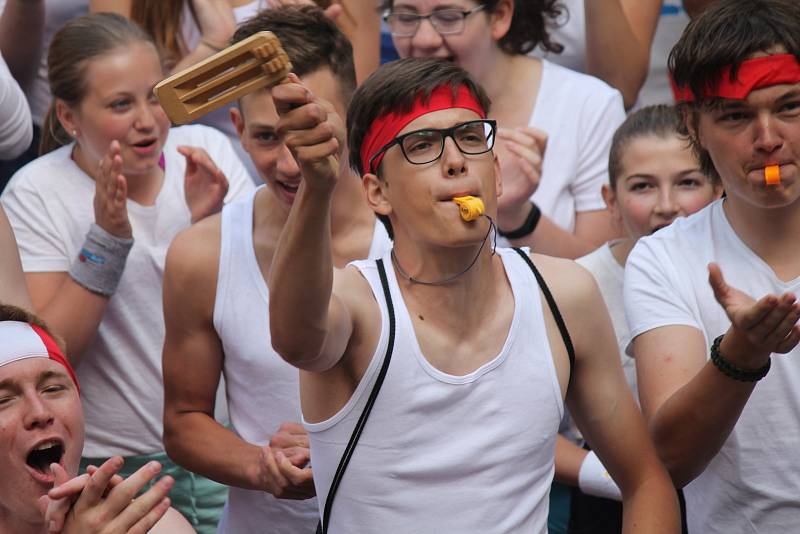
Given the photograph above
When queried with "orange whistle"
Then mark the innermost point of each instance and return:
(772, 174)
(470, 207)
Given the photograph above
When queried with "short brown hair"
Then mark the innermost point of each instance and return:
(311, 40)
(723, 36)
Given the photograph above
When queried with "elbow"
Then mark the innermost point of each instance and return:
(172, 440)
(681, 463)
(301, 355)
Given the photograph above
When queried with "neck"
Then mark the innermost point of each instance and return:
(512, 102)
(13, 523)
(622, 249)
(349, 207)
(142, 189)
(771, 233)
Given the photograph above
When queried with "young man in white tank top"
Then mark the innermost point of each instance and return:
(472, 364)
(215, 301)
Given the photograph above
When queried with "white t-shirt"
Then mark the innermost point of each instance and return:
(263, 390)
(16, 128)
(580, 114)
(610, 276)
(57, 13)
(751, 485)
(49, 204)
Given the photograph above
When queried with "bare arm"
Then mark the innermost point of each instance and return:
(569, 458)
(675, 377)
(192, 364)
(122, 7)
(21, 34)
(619, 34)
(592, 229)
(601, 403)
(12, 282)
(360, 21)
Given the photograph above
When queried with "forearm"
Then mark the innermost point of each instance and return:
(569, 458)
(301, 278)
(201, 51)
(77, 329)
(199, 443)
(652, 507)
(550, 239)
(12, 281)
(614, 53)
(21, 34)
(688, 438)
(362, 26)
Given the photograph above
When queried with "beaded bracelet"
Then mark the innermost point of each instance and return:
(732, 371)
(527, 227)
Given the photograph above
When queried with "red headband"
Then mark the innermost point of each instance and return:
(386, 127)
(55, 354)
(22, 340)
(753, 74)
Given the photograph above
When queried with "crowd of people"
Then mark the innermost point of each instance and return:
(279, 320)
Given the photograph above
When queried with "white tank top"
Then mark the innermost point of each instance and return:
(443, 453)
(262, 389)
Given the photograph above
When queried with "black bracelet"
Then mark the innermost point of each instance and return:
(732, 371)
(527, 227)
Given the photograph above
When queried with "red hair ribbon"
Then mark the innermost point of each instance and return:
(753, 74)
(386, 127)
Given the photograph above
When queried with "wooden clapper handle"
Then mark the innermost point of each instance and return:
(256, 62)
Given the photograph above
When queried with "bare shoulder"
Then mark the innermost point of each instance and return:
(572, 286)
(195, 250)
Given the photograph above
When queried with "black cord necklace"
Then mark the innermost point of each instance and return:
(404, 274)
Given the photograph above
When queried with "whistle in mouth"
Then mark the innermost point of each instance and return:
(470, 207)
(772, 175)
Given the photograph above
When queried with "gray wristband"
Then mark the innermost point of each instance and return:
(101, 261)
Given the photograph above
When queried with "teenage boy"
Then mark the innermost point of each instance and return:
(722, 407)
(216, 300)
(451, 346)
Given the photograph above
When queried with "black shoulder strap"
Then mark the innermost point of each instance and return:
(551, 302)
(322, 527)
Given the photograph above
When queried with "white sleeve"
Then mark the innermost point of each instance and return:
(654, 295)
(42, 248)
(16, 126)
(600, 116)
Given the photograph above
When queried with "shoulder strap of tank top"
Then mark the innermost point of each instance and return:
(322, 527)
(551, 302)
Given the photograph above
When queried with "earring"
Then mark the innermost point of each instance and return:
(74, 133)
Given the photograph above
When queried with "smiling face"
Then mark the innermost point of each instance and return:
(743, 137)
(418, 198)
(472, 49)
(119, 104)
(41, 422)
(256, 121)
(660, 180)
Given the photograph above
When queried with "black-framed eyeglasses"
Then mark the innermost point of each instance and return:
(444, 21)
(427, 145)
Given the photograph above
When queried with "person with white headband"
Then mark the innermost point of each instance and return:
(41, 439)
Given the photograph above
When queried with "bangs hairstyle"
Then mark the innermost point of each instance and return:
(311, 40)
(725, 35)
(396, 87)
(530, 25)
(657, 121)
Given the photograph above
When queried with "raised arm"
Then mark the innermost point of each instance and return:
(601, 403)
(619, 34)
(310, 325)
(192, 363)
(675, 376)
(21, 34)
(12, 282)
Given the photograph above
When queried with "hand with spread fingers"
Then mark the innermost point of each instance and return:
(111, 195)
(312, 130)
(758, 328)
(205, 186)
(107, 504)
(521, 153)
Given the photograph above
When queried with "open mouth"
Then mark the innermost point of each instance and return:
(147, 143)
(292, 189)
(44, 454)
